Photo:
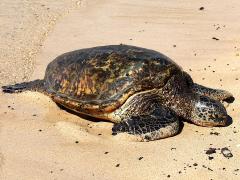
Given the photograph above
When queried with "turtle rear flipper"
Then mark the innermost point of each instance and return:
(161, 123)
(36, 85)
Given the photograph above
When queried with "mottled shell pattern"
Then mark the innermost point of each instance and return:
(103, 78)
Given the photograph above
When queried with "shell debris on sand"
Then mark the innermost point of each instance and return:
(226, 152)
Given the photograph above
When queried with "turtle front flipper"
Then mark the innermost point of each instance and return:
(217, 94)
(161, 123)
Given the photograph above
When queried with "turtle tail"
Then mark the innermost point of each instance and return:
(36, 85)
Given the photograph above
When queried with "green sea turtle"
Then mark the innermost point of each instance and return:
(142, 91)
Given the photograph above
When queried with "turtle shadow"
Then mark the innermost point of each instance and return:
(94, 119)
(181, 125)
(83, 116)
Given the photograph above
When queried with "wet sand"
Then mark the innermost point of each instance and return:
(41, 141)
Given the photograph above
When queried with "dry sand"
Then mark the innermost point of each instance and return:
(41, 141)
(25, 24)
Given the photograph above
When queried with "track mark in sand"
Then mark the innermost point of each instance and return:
(82, 135)
(76, 132)
(125, 137)
(1, 161)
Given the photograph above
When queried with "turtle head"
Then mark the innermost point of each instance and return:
(208, 112)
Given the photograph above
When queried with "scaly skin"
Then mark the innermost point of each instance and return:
(217, 94)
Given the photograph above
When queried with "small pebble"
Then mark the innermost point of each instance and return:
(140, 158)
(211, 151)
(117, 165)
(210, 169)
(214, 38)
(210, 157)
(226, 152)
(214, 133)
(201, 8)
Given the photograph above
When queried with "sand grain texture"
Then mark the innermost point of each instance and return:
(41, 141)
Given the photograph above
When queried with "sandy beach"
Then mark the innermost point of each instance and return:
(38, 140)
